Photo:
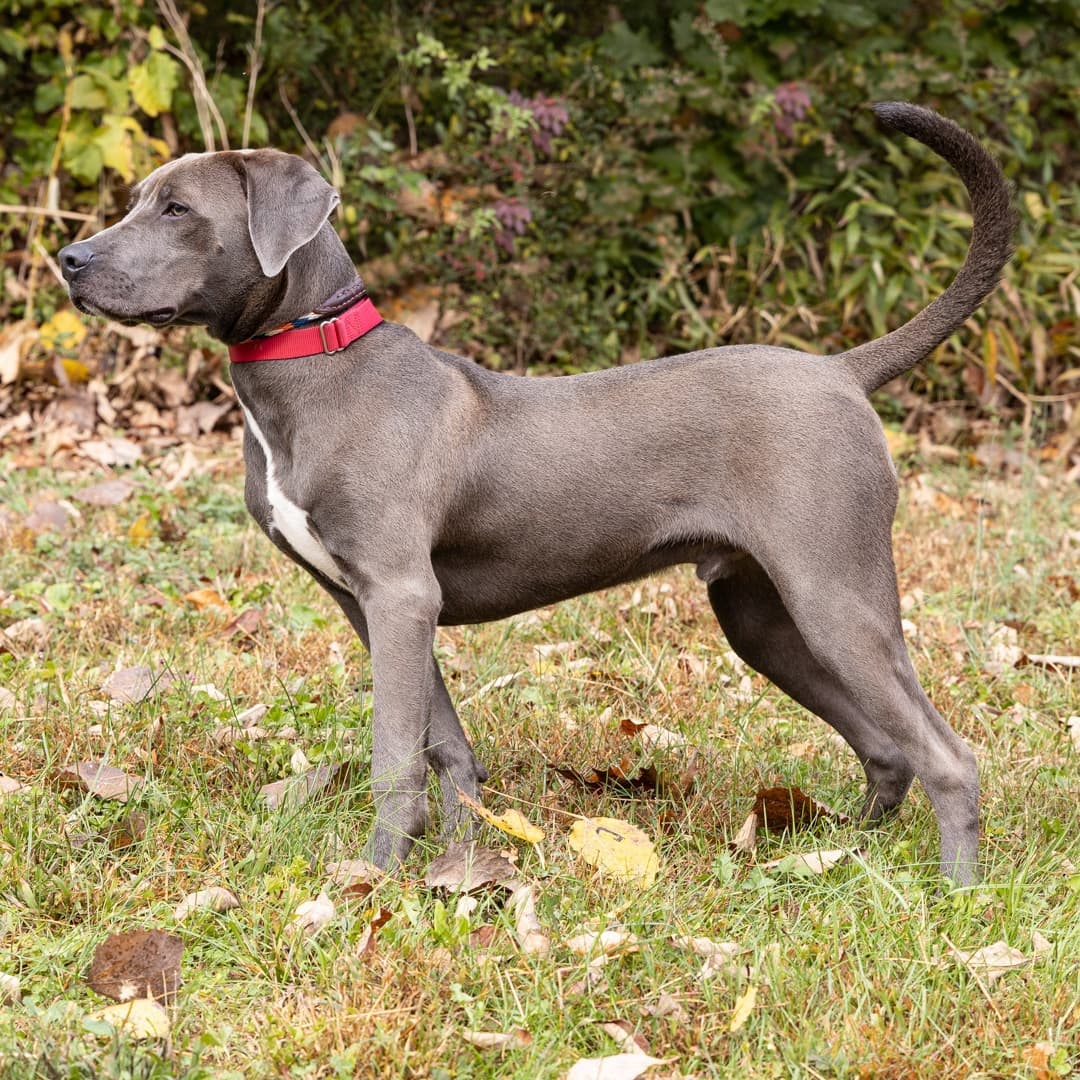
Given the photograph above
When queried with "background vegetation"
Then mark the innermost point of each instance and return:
(573, 186)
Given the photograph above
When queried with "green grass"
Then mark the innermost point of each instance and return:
(852, 969)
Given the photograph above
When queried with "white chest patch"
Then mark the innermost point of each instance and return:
(290, 520)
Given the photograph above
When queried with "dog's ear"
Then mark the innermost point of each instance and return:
(288, 201)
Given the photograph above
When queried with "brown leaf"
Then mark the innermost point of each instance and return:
(622, 1031)
(137, 964)
(99, 779)
(498, 1040)
(294, 791)
(647, 781)
(780, 808)
(129, 830)
(47, 516)
(107, 493)
(530, 934)
(10, 786)
(134, 684)
(201, 599)
(216, 898)
(245, 624)
(466, 867)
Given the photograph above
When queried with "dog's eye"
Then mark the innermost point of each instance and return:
(175, 209)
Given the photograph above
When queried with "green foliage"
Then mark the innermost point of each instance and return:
(586, 186)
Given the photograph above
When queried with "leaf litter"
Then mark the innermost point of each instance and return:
(99, 779)
(616, 848)
(137, 964)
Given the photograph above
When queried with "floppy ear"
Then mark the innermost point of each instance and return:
(288, 201)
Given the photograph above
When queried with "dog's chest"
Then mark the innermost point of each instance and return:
(290, 521)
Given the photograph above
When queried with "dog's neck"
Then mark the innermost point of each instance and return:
(313, 273)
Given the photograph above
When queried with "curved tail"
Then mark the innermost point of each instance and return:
(873, 364)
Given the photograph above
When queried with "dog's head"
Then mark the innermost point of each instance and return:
(200, 234)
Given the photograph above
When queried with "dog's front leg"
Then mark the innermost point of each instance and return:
(400, 615)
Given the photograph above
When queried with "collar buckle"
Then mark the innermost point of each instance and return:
(332, 323)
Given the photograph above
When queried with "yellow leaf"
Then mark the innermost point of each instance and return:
(207, 598)
(139, 1018)
(617, 847)
(75, 370)
(510, 821)
(65, 330)
(140, 531)
(990, 356)
(744, 1006)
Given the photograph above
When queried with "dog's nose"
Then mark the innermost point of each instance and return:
(74, 258)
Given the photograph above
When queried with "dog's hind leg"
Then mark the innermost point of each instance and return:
(761, 631)
(848, 615)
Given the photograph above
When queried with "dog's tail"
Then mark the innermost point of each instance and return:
(876, 362)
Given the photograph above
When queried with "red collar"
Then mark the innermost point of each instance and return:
(330, 336)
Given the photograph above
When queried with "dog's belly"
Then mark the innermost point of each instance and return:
(479, 589)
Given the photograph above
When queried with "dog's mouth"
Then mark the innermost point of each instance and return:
(156, 316)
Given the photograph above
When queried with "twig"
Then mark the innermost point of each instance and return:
(205, 106)
(45, 211)
(253, 71)
(298, 124)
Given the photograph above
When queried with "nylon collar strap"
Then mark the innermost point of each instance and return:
(310, 336)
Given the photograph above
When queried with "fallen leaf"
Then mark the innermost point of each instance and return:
(141, 530)
(666, 1007)
(65, 330)
(32, 632)
(134, 684)
(991, 961)
(1072, 725)
(365, 946)
(99, 779)
(464, 867)
(509, 821)
(625, 1038)
(347, 873)
(810, 862)
(113, 451)
(201, 599)
(746, 838)
(15, 339)
(780, 808)
(137, 964)
(1002, 650)
(139, 1018)
(613, 1067)
(210, 690)
(719, 956)
(744, 1006)
(8, 701)
(10, 786)
(602, 943)
(494, 684)
(616, 847)
(647, 780)
(294, 791)
(312, 915)
(652, 736)
(47, 516)
(107, 493)
(10, 994)
(530, 934)
(130, 829)
(216, 898)
(498, 1040)
(245, 624)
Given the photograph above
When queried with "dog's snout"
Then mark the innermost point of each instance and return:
(74, 258)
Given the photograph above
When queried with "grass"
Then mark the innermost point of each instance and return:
(852, 969)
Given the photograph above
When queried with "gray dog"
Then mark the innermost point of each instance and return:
(420, 489)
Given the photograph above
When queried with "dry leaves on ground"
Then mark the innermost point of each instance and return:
(137, 964)
(613, 1067)
(521, 904)
(294, 791)
(617, 848)
(781, 808)
(465, 867)
(139, 1018)
(99, 779)
(216, 898)
(510, 821)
